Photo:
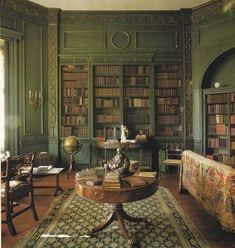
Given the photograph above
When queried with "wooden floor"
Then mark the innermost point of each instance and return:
(207, 225)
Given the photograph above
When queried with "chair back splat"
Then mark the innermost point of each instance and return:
(172, 155)
(17, 184)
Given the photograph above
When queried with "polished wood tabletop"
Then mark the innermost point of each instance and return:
(116, 197)
(124, 194)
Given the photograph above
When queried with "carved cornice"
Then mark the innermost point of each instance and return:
(121, 18)
(210, 11)
(25, 8)
(186, 19)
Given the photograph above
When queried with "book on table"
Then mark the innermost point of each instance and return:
(135, 181)
(112, 180)
(43, 168)
(145, 174)
(89, 174)
(94, 182)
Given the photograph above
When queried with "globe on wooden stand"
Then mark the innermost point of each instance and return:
(71, 147)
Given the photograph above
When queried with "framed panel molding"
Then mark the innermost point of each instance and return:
(32, 78)
(156, 39)
(211, 33)
(92, 40)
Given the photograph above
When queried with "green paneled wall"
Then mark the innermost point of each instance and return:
(213, 34)
(99, 37)
(30, 71)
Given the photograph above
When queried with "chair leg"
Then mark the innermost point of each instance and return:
(35, 216)
(8, 209)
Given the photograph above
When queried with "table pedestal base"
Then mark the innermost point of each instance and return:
(119, 215)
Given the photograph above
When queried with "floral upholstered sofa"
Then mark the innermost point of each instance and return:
(212, 184)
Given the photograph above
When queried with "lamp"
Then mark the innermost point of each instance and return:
(35, 98)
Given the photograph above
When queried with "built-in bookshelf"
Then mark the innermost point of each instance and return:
(74, 100)
(168, 100)
(106, 85)
(220, 126)
(136, 86)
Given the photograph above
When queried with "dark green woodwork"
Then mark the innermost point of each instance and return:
(119, 38)
(53, 87)
(32, 78)
(24, 24)
(202, 42)
(213, 43)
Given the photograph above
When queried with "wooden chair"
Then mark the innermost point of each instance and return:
(16, 186)
(170, 156)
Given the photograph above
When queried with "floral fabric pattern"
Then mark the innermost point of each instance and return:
(212, 184)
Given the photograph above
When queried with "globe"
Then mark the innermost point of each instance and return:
(71, 144)
(71, 147)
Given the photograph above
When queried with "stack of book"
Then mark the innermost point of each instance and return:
(88, 174)
(112, 180)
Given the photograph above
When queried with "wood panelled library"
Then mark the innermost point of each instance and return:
(117, 124)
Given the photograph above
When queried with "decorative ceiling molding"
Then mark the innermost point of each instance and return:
(120, 5)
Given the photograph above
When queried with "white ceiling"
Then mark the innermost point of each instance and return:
(120, 4)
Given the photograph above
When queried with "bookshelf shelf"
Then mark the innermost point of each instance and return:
(220, 126)
(136, 92)
(106, 86)
(74, 102)
(168, 93)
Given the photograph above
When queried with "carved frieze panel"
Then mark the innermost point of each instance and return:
(211, 11)
(25, 8)
(119, 18)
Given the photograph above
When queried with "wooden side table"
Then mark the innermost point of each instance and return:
(116, 197)
(130, 146)
(52, 172)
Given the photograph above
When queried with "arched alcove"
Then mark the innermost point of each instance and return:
(221, 70)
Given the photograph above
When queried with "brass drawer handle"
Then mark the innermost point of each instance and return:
(100, 195)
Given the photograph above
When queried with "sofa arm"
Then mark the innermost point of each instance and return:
(212, 184)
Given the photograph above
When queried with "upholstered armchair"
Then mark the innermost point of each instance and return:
(16, 185)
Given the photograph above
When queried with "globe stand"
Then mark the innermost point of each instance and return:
(71, 147)
(74, 150)
(70, 164)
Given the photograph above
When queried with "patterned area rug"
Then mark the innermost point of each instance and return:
(70, 217)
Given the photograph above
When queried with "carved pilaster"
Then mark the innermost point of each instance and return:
(53, 74)
(186, 18)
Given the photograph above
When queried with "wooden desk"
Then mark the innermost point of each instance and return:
(52, 172)
(129, 145)
(116, 197)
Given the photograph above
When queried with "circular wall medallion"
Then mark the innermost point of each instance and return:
(121, 40)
